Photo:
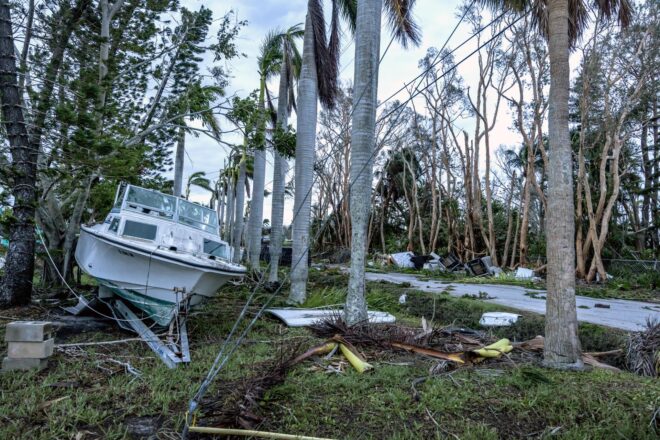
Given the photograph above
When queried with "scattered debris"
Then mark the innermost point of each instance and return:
(535, 295)
(480, 295)
(643, 350)
(454, 357)
(402, 298)
(452, 263)
(495, 350)
(477, 267)
(30, 344)
(523, 273)
(435, 263)
(402, 259)
(602, 306)
(537, 344)
(295, 317)
(498, 319)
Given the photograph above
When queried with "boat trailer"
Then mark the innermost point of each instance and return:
(172, 349)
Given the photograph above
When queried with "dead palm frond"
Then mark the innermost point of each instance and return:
(578, 13)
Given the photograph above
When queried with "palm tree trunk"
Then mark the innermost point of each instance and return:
(221, 190)
(229, 212)
(509, 222)
(16, 288)
(280, 168)
(255, 221)
(177, 188)
(367, 51)
(239, 211)
(305, 149)
(562, 345)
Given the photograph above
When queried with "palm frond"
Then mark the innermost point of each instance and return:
(400, 20)
(348, 11)
(578, 13)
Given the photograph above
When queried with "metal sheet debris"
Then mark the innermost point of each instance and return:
(498, 319)
(306, 317)
(402, 259)
(524, 274)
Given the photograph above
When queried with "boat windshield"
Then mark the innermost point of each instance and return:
(216, 249)
(146, 201)
(197, 216)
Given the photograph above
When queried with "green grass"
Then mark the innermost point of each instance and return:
(77, 393)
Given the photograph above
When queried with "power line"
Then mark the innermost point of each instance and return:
(221, 361)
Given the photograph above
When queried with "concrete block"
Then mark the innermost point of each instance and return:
(28, 331)
(24, 350)
(11, 364)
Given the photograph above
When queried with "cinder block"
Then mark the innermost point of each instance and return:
(25, 350)
(11, 364)
(28, 331)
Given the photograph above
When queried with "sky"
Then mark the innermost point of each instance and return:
(436, 19)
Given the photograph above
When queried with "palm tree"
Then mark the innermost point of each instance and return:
(318, 81)
(197, 100)
(198, 179)
(367, 52)
(562, 23)
(270, 63)
(289, 70)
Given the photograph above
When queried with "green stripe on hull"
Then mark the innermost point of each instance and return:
(159, 311)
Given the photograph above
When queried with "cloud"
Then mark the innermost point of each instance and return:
(436, 19)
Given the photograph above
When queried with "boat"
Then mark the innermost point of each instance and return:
(158, 253)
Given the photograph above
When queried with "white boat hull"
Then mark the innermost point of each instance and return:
(150, 277)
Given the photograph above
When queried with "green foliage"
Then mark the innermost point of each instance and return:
(285, 141)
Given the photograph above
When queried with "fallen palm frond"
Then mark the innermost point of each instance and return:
(643, 350)
(383, 335)
(235, 403)
(454, 357)
(537, 344)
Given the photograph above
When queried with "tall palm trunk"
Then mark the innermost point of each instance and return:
(562, 345)
(305, 148)
(239, 210)
(509, 222)
(367, 52)
(279, 181)
(16, 286)
(177, 188)
(255, 222)
(229, 212)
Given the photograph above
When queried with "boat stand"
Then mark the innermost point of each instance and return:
(172, 351)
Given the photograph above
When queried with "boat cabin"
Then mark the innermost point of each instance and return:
(172, 223)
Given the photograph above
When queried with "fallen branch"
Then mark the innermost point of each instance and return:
(251, 433)
(454, 357)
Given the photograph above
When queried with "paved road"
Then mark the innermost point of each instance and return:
(622, 314)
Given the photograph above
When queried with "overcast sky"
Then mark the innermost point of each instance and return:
(436, 19)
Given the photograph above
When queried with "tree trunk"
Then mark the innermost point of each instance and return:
(229, 212)
(280, 168)
(509, 223)
(16, 288)
(239, 211)
(367, 51)
(177, 188)
(255, 221)
(305, 149)
(74, 226)
(562, 345)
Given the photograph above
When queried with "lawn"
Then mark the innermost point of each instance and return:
(86, 392)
